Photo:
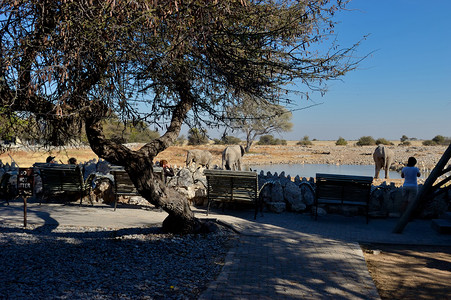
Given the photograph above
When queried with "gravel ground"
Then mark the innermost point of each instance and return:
(103, 263)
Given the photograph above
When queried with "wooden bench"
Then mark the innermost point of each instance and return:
(343, 190)
(232, 186)
(59, 178)
(123, 185)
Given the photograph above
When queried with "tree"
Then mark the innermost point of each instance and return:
(257, 117)
(305, 141)
(197, 136)
(341, 142)
(404, 138)
(71, 64)
(128, 132)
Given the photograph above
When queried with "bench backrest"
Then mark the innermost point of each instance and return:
(345, 188)
(60, 177)
(123, 185)
(224, 185)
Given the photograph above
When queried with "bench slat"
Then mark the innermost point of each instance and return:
(232, 186)
(63, 178)
(123, 185)
(343, 190)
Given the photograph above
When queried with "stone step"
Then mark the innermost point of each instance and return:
(442, 226)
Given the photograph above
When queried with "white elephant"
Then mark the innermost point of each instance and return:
(231, 157)
(383, 158)
(200, 157)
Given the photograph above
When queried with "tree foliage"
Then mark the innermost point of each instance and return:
(383, 141)
(268, 139)
(257, 117)
(366, 141)
(197, 136)
(127, 132)
(341, 142)
(305, 141)
(68, 65)
(437, 140)
(227, 140)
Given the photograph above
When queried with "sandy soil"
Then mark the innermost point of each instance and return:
(410, 271)
(321, 152)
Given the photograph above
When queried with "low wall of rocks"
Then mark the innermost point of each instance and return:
(280, 192)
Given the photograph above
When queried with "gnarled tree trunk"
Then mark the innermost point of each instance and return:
(139, 166)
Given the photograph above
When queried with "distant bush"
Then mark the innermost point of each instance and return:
(437, 140)
(341, 142)
(382, 141)
(405, 143)
(270, 140)
(227, 140)
(366, 141)
(429, 143)
(197, 136)
(305, 141)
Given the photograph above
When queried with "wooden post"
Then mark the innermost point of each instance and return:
(24, 211)
(427, 187)
(25, 184)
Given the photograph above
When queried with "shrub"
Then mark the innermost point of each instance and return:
(382, 141)
(429, 143)
(270, 140)
(228, 140)
(305, 141)
(405, 143)
(197, 136)
(437, 140)
(366, 141)
(341, 142)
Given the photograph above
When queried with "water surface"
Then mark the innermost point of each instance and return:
(310, 170)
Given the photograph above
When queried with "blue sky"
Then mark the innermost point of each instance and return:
(402, 88)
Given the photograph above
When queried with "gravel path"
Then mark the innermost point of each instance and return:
(103, 263)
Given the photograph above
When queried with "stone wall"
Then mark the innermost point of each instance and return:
(279, 192)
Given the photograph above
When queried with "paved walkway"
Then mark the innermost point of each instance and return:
(278, 256)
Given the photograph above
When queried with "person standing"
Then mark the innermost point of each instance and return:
(410, 173)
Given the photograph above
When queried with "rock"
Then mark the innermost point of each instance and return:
(293, 196)
(184, 178)
(277, 192)
(104, 191)
(308, 197)
(321, 211)
(138, 200)
(277, 207)
(189, 192)
(198, 176)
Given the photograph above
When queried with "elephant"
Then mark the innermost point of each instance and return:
(231, 157)
(201, 157)
(383, 158)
